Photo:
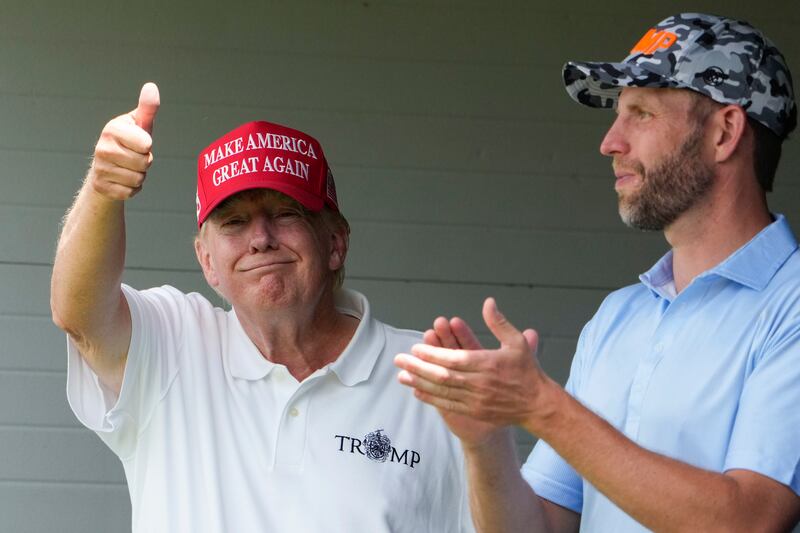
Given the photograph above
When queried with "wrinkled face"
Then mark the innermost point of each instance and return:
(657, 144)
(262, 251)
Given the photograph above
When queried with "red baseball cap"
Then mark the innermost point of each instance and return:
(264, 155)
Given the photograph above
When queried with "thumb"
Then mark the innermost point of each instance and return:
(499, 325)
(145, 112)
(532, 337)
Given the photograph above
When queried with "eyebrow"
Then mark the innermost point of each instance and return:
(221, 210)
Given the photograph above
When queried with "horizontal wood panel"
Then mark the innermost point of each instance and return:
(508, 77)
(32, 343)
(25, 289)
(77, 456)
(553, 312)
(43, 507)
(484, 255)
(352, 84)
(35, 399)
(418, 142)
(556, 356)
(515, 32)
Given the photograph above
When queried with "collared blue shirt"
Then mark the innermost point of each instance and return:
(710, 376)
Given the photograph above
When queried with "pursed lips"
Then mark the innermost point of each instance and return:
(265, 265)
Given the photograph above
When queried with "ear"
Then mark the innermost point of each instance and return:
(204, 258)
(729, 124)
(340, 241)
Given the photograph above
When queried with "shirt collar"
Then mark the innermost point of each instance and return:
(356, 362)
(353, 366)
(753, 265)
(659, 278)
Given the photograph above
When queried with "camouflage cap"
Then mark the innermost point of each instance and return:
(727, 60)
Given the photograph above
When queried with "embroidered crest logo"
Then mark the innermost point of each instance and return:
(378, 447)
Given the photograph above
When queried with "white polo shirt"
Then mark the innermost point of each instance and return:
(215, 438)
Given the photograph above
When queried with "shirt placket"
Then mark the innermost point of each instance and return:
(293, 425)
(673, 320)
(659, 344)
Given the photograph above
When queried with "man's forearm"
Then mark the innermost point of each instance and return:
(500, 498)
(85, 287)
(661, 493)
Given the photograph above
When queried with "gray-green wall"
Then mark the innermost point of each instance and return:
(464, 169)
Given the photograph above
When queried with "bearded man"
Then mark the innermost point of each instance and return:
(681, 412)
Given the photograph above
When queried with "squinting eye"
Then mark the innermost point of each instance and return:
(286, 216)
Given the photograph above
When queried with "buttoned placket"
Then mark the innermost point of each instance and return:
(672, 316)
(291, 433)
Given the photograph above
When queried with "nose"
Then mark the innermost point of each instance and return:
(615, 142)
(262, 234)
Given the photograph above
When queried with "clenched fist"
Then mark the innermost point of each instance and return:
(124, 151)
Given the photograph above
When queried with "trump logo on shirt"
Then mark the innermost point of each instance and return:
(377, 446)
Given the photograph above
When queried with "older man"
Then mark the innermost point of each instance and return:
(681, 409)
(281, 414)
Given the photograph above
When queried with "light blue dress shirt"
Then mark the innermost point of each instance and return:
(710, 377)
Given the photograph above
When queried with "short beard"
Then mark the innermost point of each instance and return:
(674, 185)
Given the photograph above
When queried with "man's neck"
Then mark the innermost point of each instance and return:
(710, 232)
(302, 341)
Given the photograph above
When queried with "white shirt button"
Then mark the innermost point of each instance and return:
(293, 411)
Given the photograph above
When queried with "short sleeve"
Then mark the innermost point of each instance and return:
(766, 432)
(150, 368)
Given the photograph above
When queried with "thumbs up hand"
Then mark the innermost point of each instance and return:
(124, 151)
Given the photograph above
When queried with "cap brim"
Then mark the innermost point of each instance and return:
(599, 84)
